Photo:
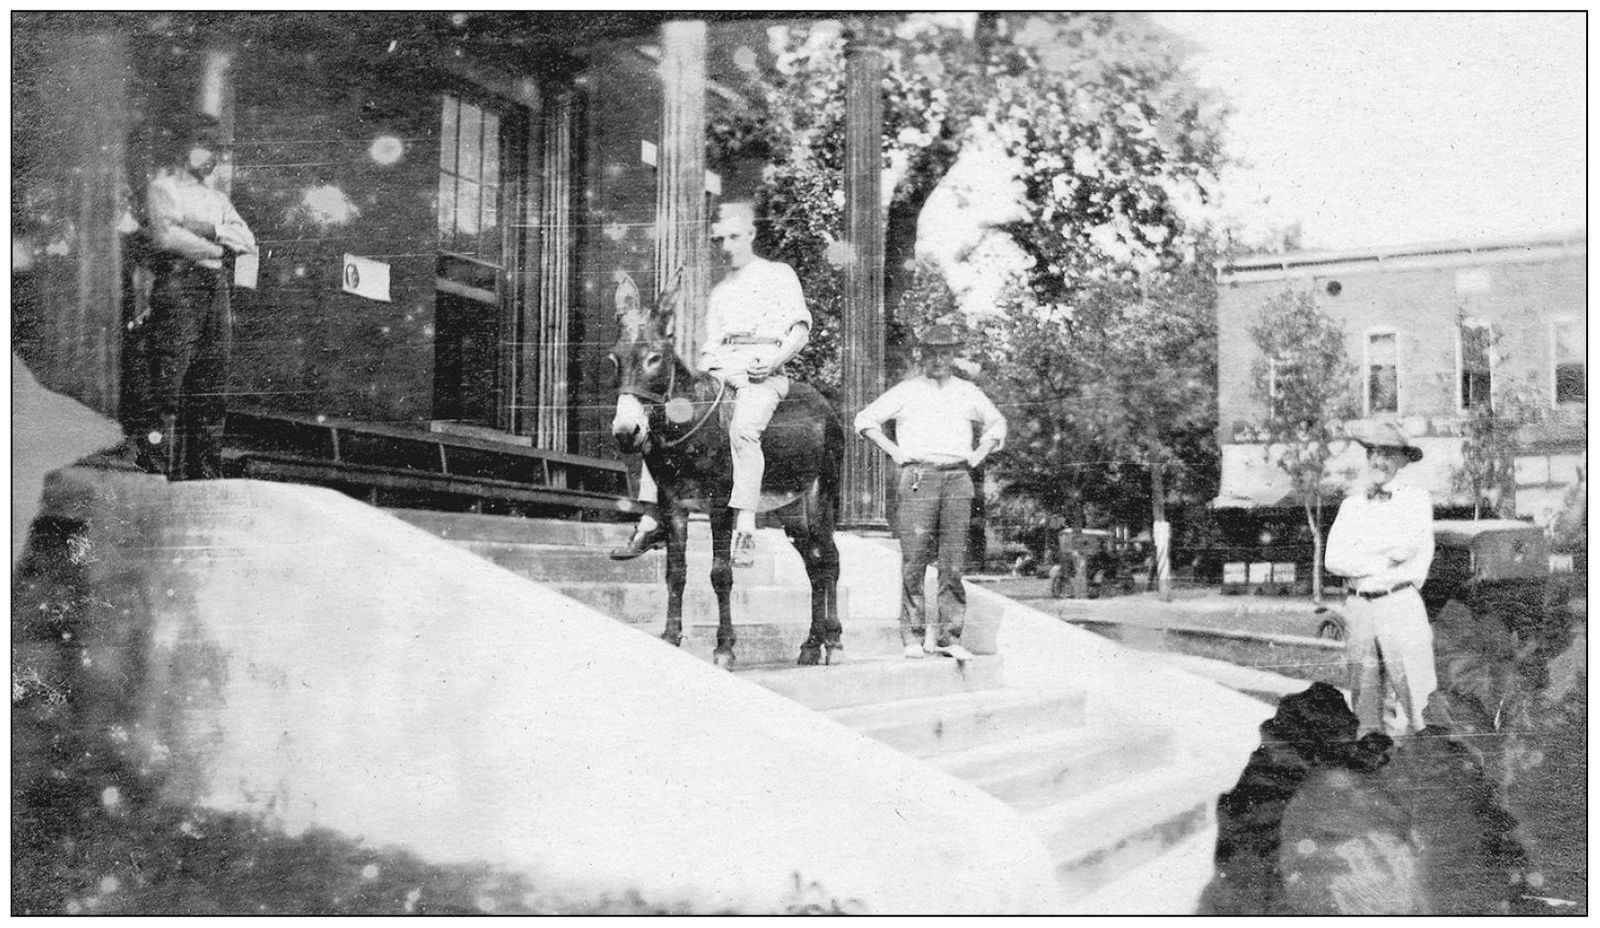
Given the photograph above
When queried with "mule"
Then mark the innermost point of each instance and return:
(677, 420)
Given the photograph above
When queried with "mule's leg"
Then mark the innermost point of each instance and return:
(800, 537)
(677, 571)
(824, 576)
(722, 583)
(811, 533)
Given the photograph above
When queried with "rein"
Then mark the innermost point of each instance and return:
(722, 387)
(663, 398)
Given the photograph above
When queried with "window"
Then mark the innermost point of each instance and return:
(1383, 372)
(1566, 342)
(469, 180)
(1473, 362)
(476, 366)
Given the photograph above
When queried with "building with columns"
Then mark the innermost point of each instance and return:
(1435, 331)
(491, 177)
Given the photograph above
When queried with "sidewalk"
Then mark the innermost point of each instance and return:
(1262, 646)
(1204, 608)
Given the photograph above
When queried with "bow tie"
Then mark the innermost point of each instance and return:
(1379, 494)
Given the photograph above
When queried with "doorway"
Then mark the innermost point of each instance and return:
(475, 322)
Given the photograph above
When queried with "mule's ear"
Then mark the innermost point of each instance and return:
(628, 300)
(669, 303)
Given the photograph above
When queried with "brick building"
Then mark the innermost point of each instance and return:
(1433, 330)
(500, 173)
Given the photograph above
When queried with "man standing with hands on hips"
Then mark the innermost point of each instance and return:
(1382, 542)
(933, 447)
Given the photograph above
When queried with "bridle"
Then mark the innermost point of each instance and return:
(662, 399)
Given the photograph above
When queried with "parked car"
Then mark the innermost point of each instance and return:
(1090, 564)
(1493, 567)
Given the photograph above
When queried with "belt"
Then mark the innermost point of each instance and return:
(750, 340)
(1379, 594)
(927, 465)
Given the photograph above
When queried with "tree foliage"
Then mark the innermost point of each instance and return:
(1127, 382)
(1103, 351)
(1302, 378)
(1491, 433)
(1109, 133)
(1112, 135)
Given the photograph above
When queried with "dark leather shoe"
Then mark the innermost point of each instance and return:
(640, 543)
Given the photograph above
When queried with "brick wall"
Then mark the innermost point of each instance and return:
(622, 108)
(1421, 304)
(1518, 291)
(307, 182)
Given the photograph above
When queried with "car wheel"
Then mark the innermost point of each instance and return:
(1331, 629)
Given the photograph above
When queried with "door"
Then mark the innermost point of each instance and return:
(475, 325)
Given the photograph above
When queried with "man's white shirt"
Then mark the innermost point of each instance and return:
(1379, 544)
(934, 422)
(761, 300)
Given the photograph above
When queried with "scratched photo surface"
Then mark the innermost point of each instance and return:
(854, 462)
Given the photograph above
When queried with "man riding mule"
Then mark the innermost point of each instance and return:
(674, 418)
(756, 321)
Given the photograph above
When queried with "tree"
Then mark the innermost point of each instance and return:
(1100, 398)
(1491, 424)
(1113, 135)
(1303, 381)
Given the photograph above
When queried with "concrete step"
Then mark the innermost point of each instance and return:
(580, 562)
(941, 725)
(470, 526)
(873, 680)
(558, 563)
(1095, 837)
(776, 559)
(1042, 769)
(646, 604)
(774, 643)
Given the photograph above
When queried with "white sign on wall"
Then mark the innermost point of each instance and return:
(366, 278)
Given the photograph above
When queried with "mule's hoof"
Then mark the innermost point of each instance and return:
(835, 654)
(723, 659)
(810, 655)
(674, 640)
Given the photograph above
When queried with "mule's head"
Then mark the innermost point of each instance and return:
(643, 361)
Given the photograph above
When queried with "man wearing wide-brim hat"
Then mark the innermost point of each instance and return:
(933, 446)
(1382, 543)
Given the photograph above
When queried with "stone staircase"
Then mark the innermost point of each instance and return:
(1104, 799)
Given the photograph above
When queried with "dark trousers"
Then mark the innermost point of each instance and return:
(187, 346)
(935, 507)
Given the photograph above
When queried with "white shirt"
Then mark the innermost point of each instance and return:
(178, 205)
(760, 301)
(933, 422)
(1379, 544)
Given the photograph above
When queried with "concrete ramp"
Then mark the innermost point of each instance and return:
(288, 654)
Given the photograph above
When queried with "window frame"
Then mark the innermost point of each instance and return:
(509, 141)
(1473, 322)
(1554, 325)
(1366, 371)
